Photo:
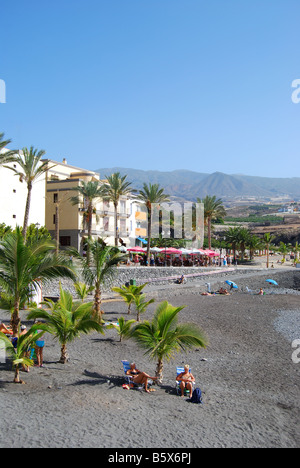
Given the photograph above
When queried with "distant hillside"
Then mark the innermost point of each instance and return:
(188, 185)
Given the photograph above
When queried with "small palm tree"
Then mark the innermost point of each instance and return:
(100, 268)
(213, 209)
(163, 337)
(23, 267)
(149, 195)
(141, 305)
(129, 293)
(66, 320)
(20, 353)
(83, 290)
(29, 170)
(123, 328)
(283, 249)
(115, 188)
(232, 238)
(267, 240)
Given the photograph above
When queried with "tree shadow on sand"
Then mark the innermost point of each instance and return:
(94, 378)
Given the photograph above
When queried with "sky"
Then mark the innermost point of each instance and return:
(154, 84)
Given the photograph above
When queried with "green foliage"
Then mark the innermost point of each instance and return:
(123, 328)
(163, 337)
(20, 353)
(129, 293)
(66, 320)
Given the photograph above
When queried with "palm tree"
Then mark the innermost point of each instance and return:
(23, 267)
(213, 209)
(129, 293)
(83, 290)
(89, 193)
(66, 320)
(123, 328)
(100, 268)
(141, 305)
(243, 240)
(30, 169)
(283, 249)
(296, 250)
(254, 244)
(149, 195)
(267, 240)
(7, 154)
(115, 188)
(163, 336)
(232, 238)
(20, 353)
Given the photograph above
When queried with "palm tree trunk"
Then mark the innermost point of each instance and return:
(17, 375)
(15, 318)
(26, 216)
(209, 232)
(116, 224)
(97, 303)
(159, 371)
(90, 220)
(268, 256)
(64, 355)
(149, 208)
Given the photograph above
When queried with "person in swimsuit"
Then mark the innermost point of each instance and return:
(4, 329)
(186, 380)
(139, 377)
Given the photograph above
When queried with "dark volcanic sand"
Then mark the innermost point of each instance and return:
(250, 384)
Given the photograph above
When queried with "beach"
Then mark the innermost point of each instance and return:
(249, 381)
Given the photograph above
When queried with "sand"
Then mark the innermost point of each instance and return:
(250, 383)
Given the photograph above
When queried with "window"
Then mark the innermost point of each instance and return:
(65, 241)
(14, 216)
(14, 191)
(122, 206)
(54, 219)
(55, 197)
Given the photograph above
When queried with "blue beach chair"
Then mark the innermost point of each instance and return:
(128, 378)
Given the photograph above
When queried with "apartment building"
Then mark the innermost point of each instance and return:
(61, 180)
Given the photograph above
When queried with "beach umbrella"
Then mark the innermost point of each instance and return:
(155, 249)
(136, 249)
(232, 284)
(270, 281)
(171, 251)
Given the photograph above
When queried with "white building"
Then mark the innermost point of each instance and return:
(13, 195)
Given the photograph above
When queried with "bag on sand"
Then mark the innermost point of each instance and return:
(196, 396)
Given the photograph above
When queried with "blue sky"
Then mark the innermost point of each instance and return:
(154, 84)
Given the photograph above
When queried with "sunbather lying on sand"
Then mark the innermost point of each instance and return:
(139, 377)
(224, 291)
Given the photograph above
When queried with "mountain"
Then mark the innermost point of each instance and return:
(188, 185)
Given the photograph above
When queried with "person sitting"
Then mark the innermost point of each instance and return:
(4, 329)
(180, 280)
(186, 380)
(261, 292)
(139, 377)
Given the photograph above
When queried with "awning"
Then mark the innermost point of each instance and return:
(142, 240)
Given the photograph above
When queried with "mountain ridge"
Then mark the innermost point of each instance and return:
(188, 185)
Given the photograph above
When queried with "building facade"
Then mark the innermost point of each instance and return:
(61, 181)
